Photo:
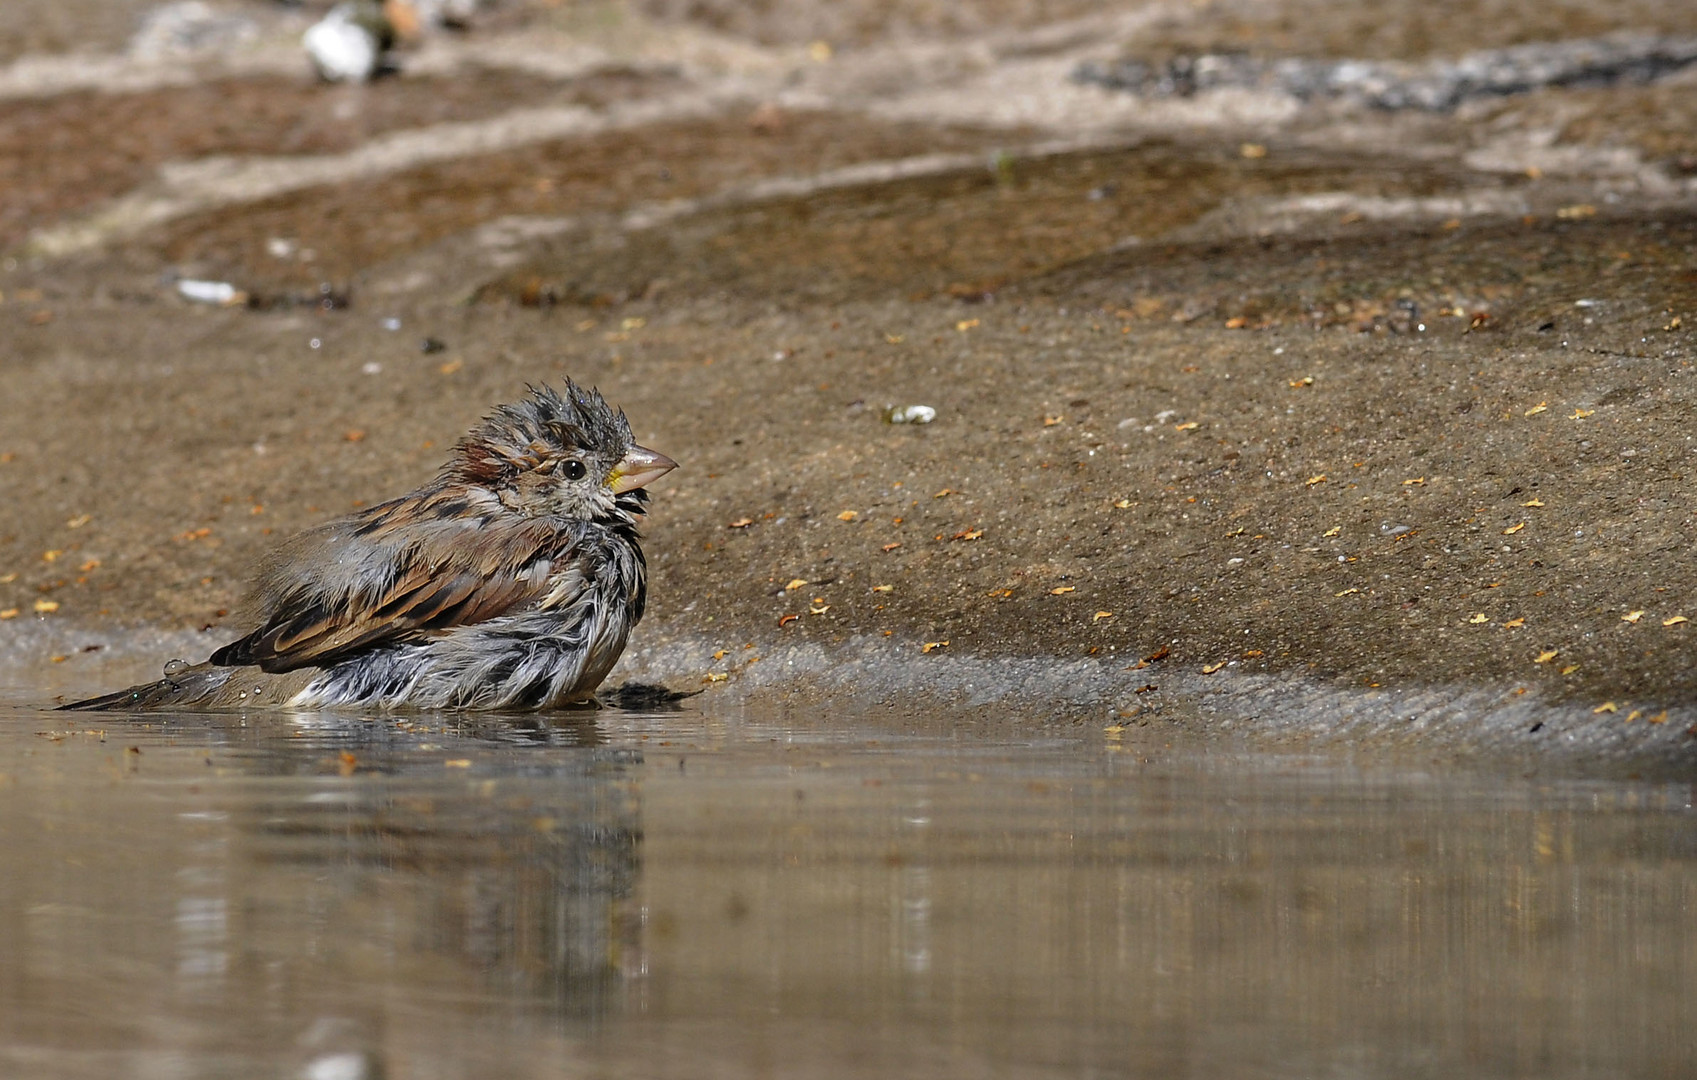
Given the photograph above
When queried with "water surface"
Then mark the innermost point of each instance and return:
(719, 893)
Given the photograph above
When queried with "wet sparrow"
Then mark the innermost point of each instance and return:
(511, 580)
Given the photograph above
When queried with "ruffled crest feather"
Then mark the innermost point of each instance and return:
(538, 429)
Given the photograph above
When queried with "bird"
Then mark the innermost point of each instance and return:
(511, 580)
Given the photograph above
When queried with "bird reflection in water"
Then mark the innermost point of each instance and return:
(490, 858)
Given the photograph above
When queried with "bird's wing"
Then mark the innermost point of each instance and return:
(433, 587)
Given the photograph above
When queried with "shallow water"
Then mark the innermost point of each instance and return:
(720, 894)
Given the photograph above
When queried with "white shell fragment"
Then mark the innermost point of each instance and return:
(210, 292)
(909, 414)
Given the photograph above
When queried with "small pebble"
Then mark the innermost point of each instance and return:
(209, 292)
(909, 414)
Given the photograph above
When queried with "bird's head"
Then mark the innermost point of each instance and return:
(558, 453)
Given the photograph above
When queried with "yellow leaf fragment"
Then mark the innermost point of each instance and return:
(46, 607)
(720, 654)
(1675, 621)
(78, 522)
(1347, 591)
(9, 613)
(794, 584)
(1061, 590)
(1333, 531)
(1191, 426)
(1536, 409)
(1570, 669)
(944, 492)
(848, 515)
(1416, 480)
(1659, 718)
(1533, 502)
(1515, 622)
(1607, 706)
(1545, 656)
(1580, 414)
(1298, 384)
(1209, 669)
(1478, 618)
(1632, 616)
(740, 523)
(820, 610)
(1633, 715)
(717, 676)
(1100, 615)
(883, 588)
(1051, 421)
(457, 763)
(1512, 529)
(1312, 480)
(930, 646)
(966, 324)
(1123, 504)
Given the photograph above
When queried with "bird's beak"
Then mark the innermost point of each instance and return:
(637, 468)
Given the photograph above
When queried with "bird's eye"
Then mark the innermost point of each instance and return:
(575, 470)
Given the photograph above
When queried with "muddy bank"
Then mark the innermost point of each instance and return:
(1326, 489)
(1367, 404)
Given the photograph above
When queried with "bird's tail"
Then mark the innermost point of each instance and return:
(185, 686)
(118, 699)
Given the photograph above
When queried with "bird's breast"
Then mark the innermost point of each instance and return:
(565, 585)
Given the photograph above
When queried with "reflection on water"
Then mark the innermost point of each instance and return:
(702, 895)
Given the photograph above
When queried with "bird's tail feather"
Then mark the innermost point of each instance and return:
(194, 686)
(118, 699)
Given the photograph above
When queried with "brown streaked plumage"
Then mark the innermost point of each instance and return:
(511, 580)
